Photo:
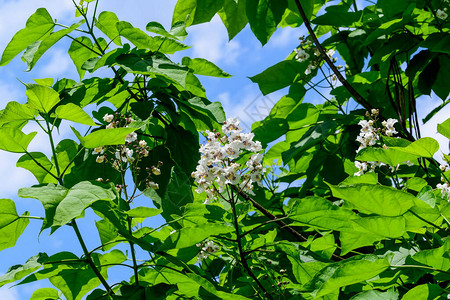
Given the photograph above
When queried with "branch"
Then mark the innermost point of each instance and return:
(283, 225)
(327, 59)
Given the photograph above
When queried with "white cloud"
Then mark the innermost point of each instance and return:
(58, 64)
(210, 41)
(252, 107)
(9, 294)
(286, 37)
(14, 14)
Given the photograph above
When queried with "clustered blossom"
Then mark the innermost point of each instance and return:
(369, 136)
(389, 126)
(207, 247)
(445, 189)
(124, 156)
(217, 167)
(306, 50)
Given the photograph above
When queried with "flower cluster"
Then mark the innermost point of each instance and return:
(306, 50)
(207, 247)
(369, 135)
(217, 166)
(445, 189)
(124, 156)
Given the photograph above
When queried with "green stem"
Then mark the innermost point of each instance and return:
(44, 168)
(426, 221)
(32, 217)
(420, 267)
(241, 250)
(52, 144)
(89, 258)
(133, 255)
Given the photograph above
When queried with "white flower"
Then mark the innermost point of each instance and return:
(99, 150)
(330, 53)
(362, 167)
(207, 247)
(142, 143)
(131, 137)
(309, 69)
(108, 118)
(445, 189)
(153, 185)
(100, 159)
(441, 14)
(301, 55)
(110, 125)
(389, 126)
(156, 171)
(124, 154)
(443, 167)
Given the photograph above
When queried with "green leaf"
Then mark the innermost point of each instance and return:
(320, 212)
(424, 147)
(81, 49)
(15, 111)
(202, 66)
(104, 137)
(177, 195)
(19, 271)
(107, 233)
(189, 236)
(50, 196)
(143, 212)
(416, 184)
(338, 15)
(35, 51)
(41, 97)
(390, 294)
(195, 11)
(424, 291)
(62, 205)
(66, 151)
(77, 199)
(436, 258)
(30, 161)
(204, 114)
(264, 16)
(444, 128)
(38, 26)
(157, 28)
(14, 140)
(107, 24)
(73, 112)
(377, 199)
(347, 272)
(390, 227)
(143, 41)
(437, 42)
(279, 76)
(391, 156)
(45, 294)
(312, 137)
(11, 224)
(155, 66)
(233, 16)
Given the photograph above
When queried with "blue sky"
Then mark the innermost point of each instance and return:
(241, 98)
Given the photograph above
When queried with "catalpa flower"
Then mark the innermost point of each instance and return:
(217, 167)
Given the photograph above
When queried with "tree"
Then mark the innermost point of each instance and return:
(369, 219)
